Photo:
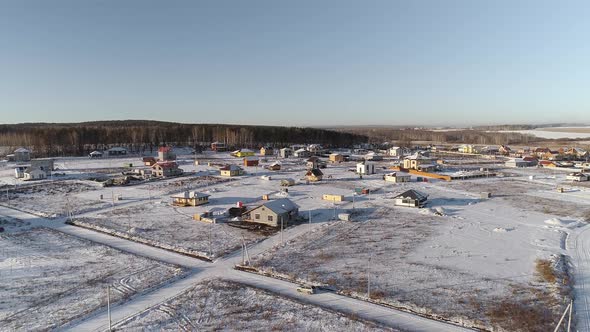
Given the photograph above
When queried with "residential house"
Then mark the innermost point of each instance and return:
(276, 213)
(165, 153)
(275, 167)
(504, 150)
(540, 152)
(231, 170)
(411, 198)
(218, 146)
(166, 169)
(190, 198)
(336, 158)
(531, 160)
(95, 154)
(44, 164)
(34, 174)
(373, 156)
(548, 163)
(117, 151)
(302, 153)
(19, 171)
(22, 155)
(467, 148)
(517, 162)
(578, 177)
(419, 162)
(267, 151)
(576, 153)
(149, 161)
(244, 153)
(396, 151)
(333, 198)
(315, 149)
(397, 177)
(285, 152)
(312, 162)
(314, 175)
(365, 168)
(251, 161)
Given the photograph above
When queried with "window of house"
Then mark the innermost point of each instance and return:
(257, 216)
(270, 218)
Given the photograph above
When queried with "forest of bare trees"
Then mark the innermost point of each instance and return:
(80, 138)
(405, 137)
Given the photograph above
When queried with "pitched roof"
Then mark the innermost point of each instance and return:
(281, 205)
(21, 150)
(413, 194)
(314, 172)
(190, 194)
(165, 164)
(230, 168)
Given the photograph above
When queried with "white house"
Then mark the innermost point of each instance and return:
(19, 171)
(365, 167)
(285, 152)
(22, 155)
(395, 151)
(397, 177)
(577, 177)
(34, 174)
(301, 153)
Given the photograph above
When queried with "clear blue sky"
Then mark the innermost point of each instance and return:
(295, 62)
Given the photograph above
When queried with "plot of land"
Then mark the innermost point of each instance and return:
(212, 305)
(52, 199)
(48, 278)
(466, 265)
(173, 228)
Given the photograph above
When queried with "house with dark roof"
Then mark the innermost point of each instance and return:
(273, 213)
(314, 175)
(411, 198)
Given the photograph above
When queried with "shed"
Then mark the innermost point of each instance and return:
(22, 155)
(251, 161)
(231, 170)
(397, 177)
(365, 167)
(336, 158)
(333, 198)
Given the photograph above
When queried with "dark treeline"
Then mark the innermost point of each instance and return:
(50, 139)
(405, 137)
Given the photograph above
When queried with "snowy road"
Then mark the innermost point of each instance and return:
(581, 256)
(223, 268)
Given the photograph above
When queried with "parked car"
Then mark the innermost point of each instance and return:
(307, 289)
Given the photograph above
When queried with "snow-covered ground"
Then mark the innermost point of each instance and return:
(462, 258)
(551, 132)
(215, 303)
(48, 278)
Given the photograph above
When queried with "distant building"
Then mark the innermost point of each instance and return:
(22, 155)
(273, 213)
(190, 198)
(275, 167)
(218, 146)
(44, 164)
(312, 162)
(365, 168)
(95, 154)
(231, 170)
(418, 161)
(251, 161)
(397, 177)
(267, 151)
(373, 156)
(578, 177)
(117, 151)
(34, 174)
(19, 171)
(302, 153)
(314, 175)
(165, 153)
(244, 153)
(166, 169)
(517, 162)
(336, 158)
(149, 161)
(285, 152)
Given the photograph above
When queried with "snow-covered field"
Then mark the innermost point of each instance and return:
(48, 278)
(499, 262)
(555, 132)
(230, 306)
(466, 265)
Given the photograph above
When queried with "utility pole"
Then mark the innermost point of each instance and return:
(353, 194)
(210, 246)
(569, 321)
(109, 307)
(281, 229)
(310, 219)
(369, 277)
(569, 307)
